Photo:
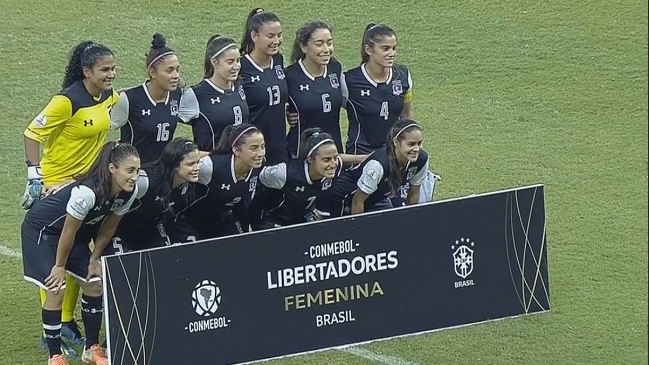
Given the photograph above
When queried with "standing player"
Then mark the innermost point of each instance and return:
(230, 174)
(264, 81)
(295, 190)
(55, 236)
(369, 186)
(159, 183)
(380, 92)
(218, 101)
(148, 114)
(72, 127)
(316, 85)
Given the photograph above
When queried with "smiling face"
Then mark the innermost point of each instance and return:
(165, 73)
(125, 174)
(228, 64)
(252, 151)
(324, 161)
(189, 168)
(408, 145)
(268, 39)
(319, 48)
(383, 52)
(101, 74)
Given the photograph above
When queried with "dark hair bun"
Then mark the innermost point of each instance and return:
(159, 41)
(370, 25)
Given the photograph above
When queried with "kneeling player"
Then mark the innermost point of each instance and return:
(159, 183)
(55, 236)
(368, 186)
(295, 190)
(230, 175)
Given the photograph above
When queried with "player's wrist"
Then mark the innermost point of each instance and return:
(34, 172)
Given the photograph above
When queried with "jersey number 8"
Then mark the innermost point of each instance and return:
(238, 115)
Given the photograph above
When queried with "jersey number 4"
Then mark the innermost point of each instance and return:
(163, 132)
(385, 112)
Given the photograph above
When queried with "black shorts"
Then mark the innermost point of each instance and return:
(131, 239)
(39, 255)
(339, 208)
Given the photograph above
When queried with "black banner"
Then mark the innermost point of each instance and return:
(331, 283)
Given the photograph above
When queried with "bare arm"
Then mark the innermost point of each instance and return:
(358, 202)
(413, 195)
(66, 240)
(105, 234)
(352, 159)
(32, 151)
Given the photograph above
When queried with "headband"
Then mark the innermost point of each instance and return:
(159, 57)
(318, 145)
(404, 128)
(372, 27)
(241, 134)
(223, 49)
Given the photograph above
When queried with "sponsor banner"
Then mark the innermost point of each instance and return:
(330, 283)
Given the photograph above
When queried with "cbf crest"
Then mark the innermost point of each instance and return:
(333, 80)
(463, 257)
(397, 87)
(173, 107)
(280, 72)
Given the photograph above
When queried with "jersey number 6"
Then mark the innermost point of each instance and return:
(326, 104)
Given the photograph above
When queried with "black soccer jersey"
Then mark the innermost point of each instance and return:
(317, 101)
(209, 109)
(292, 196)
(373, 108)
(145, 124)
(267, 93)
(79, 201)
(371, 177)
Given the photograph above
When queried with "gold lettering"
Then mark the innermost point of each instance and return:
(362, 292)
(376, 289)
(342, 296)
(299, 301)
(329, 296)
(317, 299)
(287, 302)
(333, 296)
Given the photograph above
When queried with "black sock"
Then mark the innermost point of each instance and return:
(92, 315)
(52, 328)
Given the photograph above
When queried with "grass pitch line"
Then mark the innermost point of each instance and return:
(369, 355)
(6, 251)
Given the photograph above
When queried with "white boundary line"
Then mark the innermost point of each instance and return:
(373, 356)
(10, 252)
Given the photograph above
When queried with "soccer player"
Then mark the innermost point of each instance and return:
(219, 100)
(380, 91)
(316, 85)
(147, 115)
(159, 183)
(230, 174)
(295, 190)
(55, 235)
(368, 186)
(264, 81)
(72, 127)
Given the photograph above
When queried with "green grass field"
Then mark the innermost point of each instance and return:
(510, 92)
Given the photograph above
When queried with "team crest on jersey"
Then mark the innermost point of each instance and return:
(242, 93)
(280, 72)
(118, 203)
(326, 184)
(397, 87)
(40, 120)
(253, 185)
(333, 79)
(411, 173)
(173, 106)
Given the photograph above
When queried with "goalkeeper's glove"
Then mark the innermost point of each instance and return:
(34, 188)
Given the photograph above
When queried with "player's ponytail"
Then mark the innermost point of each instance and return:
(158, 52)
(310, 142)
(302, 37)
(254, 22)
(395, 136)
(84, 55)
(216, 46)
(234, 136)
(373, 33)
(98, 177)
